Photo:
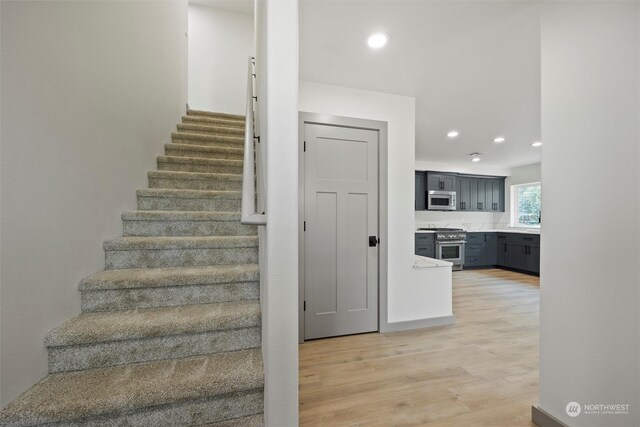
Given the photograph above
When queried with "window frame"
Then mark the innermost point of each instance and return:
(514, 205)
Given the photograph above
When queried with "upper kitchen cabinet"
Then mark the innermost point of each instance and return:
(478, 194)
(474, 193)
(421, 188)
(494, 195)
(467, 195)
(441, 181)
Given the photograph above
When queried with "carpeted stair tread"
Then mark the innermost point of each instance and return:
(189, 194)
(179, 242)
(89, 328)
(195, 176)
(204, 149)
(139, 215)
(250, 421)
(221, 129)
(227, 116)
(170, 276)
(205, 138)
(200, 161)
(68, 397)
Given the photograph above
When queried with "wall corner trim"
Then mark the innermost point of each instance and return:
(542, 419)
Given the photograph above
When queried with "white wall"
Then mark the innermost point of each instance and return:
(399, 113)
(589, 317)
(277, 73)
(90, 92)
(220, 43)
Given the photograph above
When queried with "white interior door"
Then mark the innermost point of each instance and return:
(341, 213)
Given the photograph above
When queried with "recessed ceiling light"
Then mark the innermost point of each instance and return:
(536, 144)
(499, 139)
(475, 159)
(452, 134)
(377, 40)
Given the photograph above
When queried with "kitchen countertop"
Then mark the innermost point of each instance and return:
(424, 262)
(504, 230)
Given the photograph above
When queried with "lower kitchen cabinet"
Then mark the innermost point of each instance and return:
(480, 250)
(519, 251)
(425, 244)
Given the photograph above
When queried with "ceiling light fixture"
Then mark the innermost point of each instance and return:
(536, 144)
(377, 40)
(499, 139)
(452, 134)
(475, 157)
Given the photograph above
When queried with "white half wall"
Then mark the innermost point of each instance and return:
(590, 281)
(399, 113)
(90, 93)
(220, 43)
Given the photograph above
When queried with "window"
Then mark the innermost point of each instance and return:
(525, 205)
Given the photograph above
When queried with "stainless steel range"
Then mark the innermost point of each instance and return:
(450, 243)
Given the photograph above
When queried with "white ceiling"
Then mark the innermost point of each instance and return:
(472, 66)
(239, 6)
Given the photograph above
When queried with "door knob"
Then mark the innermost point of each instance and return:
(373, 241)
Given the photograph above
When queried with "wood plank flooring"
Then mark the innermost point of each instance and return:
(482, 371)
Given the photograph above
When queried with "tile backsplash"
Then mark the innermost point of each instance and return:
(472, 221)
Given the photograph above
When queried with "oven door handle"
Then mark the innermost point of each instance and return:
(451, 242)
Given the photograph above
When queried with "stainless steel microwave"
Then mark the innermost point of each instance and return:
(441, 200)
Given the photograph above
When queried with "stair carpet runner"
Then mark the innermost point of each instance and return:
(170, 332)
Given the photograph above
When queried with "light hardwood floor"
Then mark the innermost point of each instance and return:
(482, 371)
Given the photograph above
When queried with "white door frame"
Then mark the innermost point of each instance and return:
(381, 128)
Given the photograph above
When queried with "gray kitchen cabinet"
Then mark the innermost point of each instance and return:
(465, 189)
(491, 248)
(474, 193)
(481, 194)
(518, 251)
(441, 181)
(421, 195)
(534, 259)
(494, 195)
(480, 250)
(425, 244)
(502, 255)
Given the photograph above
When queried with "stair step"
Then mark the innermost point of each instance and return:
(190, 391)
(151, 252)
(165, 287)
(250, 421)
(217, 115)
(198, 164)
(185, 223)
(220, 129)
(230, 141)
(212, 121)
(194, 180)
(188, 200)
(99, 340)
(203, 151)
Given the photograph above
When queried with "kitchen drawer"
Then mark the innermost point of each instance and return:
(474, 261)
(424, 240)
(428, 252)
(524, 238)
(474, 247)
(475, 237)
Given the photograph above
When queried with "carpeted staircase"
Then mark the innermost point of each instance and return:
(170, 332)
